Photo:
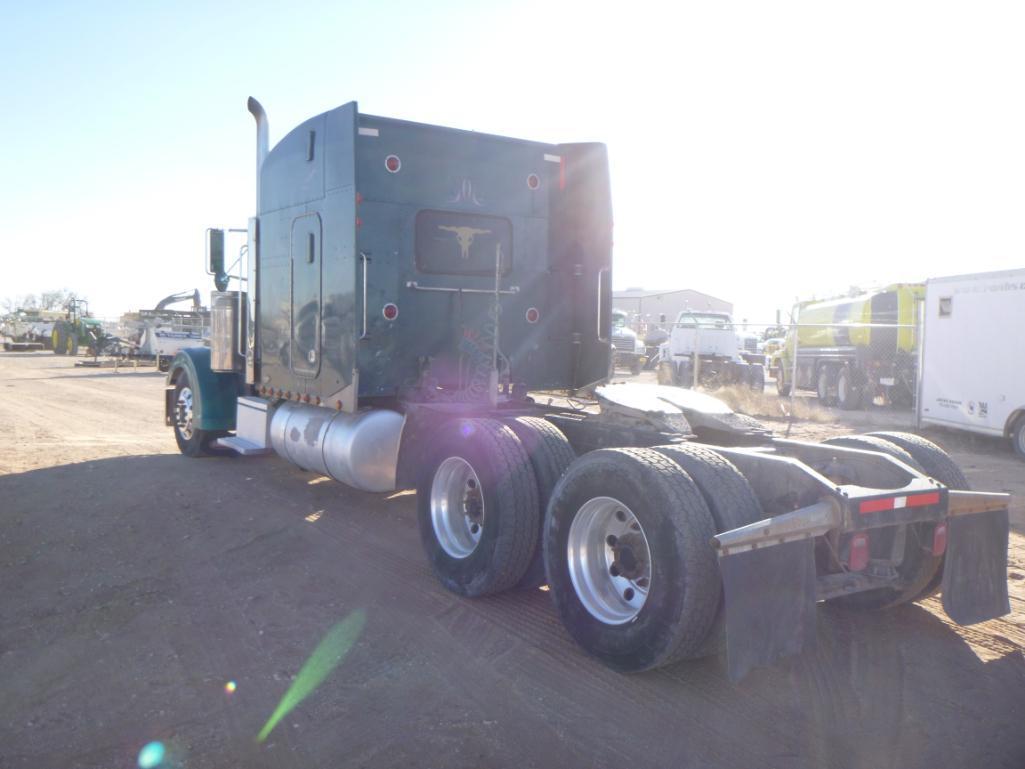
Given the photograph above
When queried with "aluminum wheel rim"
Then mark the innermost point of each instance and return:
(609, 560)
(457, 507)
(183, 412)
(841, 388)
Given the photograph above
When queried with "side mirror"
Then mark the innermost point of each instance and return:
(215, 251)
(215, 257)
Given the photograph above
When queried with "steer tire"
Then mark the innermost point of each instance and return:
(550, 455)
(683, 596)
(508, 532)
(57, 339)
(191, 440)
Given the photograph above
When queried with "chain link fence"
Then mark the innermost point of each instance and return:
(835, 368)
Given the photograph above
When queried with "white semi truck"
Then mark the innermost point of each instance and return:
(973, 361)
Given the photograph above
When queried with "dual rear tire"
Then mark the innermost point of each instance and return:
(624, 535)
(920, 571)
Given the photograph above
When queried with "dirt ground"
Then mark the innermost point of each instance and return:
(136, 583)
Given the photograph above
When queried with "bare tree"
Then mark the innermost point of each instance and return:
(55, 300)
(25, 302)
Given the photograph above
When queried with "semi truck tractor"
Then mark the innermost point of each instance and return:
(425, 308)
(854, 349)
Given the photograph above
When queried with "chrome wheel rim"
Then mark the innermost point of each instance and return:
(609, 560)
(457, 507)
(841, 388)
(183, 413)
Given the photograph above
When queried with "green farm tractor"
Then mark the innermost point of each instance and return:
(76, 329)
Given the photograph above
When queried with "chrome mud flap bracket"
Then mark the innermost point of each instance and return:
(974, 583)
(768, 573)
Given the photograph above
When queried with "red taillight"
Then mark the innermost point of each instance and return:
(390, 311)
(939, 539)
(393, 164)
(533, 315)
(896, 503)
(858, 558)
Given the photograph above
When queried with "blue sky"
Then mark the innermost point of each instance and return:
(759, 151)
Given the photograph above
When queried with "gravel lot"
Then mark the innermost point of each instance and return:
(136, 583)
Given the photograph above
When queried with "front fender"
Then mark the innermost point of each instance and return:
(214, 395)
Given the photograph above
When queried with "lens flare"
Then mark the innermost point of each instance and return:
(230, 687)
(151, 755)
(325, 658)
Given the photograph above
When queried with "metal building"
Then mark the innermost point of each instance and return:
(647, 306)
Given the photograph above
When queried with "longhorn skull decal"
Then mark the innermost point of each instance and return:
(464, 236)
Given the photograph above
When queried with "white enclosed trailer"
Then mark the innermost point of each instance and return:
(973, 367)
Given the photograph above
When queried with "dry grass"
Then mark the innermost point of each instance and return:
(760, 404)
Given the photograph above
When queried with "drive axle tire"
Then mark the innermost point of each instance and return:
(629, 558)
(934, 461)
(550, 455)
(920, 571)
(848, 393)
(937, 463)
(874, 443)
(477, 507)
(756, 377)
(825, 385)
(730, 498)
(192, 441)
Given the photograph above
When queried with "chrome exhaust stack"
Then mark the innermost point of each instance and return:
(262, 140)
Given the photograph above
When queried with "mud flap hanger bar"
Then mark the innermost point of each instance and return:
(769, 574)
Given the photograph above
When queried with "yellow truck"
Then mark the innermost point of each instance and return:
(852, 349)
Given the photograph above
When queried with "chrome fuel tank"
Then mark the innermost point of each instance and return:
(360, 450)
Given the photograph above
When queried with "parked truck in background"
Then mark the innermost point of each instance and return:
(973, 357)
(629, 350)
(704, 348)
(422, 307)
(852, 349)
(27, 329)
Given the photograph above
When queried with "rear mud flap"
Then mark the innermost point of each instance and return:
(975, 571)
(770, 604)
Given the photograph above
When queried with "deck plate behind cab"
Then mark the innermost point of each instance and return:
(660, 399)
